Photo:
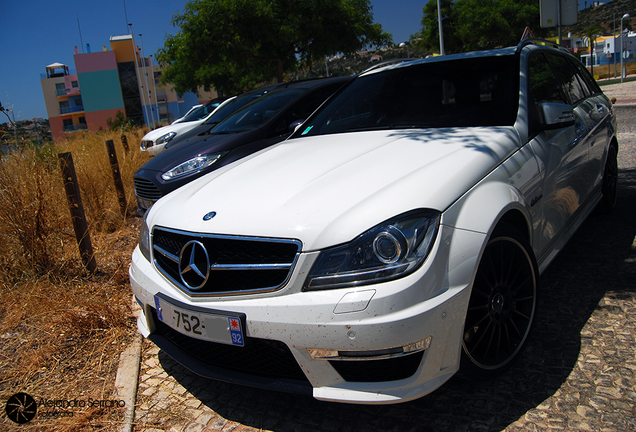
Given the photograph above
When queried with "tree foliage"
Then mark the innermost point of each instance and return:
(591, 33)
(233, 44)
(120, 121)
(470, 25)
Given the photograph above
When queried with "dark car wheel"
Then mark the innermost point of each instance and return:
(610, 182)
(502, 304)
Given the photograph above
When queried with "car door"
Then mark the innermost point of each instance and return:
(599, 112)
(561, 153)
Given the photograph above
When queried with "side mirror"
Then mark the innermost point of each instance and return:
(557, 115)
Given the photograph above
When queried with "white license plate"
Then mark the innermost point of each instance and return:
(219, 327)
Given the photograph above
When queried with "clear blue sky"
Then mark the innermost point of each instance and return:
(36, 33)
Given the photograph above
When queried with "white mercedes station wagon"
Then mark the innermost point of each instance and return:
(396, 236)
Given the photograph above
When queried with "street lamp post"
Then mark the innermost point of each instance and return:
(614, 48)
(441, 31)
(624, 16)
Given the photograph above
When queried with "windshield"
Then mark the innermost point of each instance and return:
(202, 111)
(193, 114)
(231, 106)
(480, 91)
(257, 113)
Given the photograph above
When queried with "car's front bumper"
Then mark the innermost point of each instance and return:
(334, 333)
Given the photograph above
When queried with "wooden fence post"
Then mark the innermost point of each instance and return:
(124, 142)
(119, 184)
(77, 211)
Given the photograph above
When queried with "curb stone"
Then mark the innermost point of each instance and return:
(126, 381)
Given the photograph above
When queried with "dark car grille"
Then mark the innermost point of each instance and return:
(238, 265)
(146, 189)
(260, 357)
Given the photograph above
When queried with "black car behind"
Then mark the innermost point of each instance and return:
(261, 123)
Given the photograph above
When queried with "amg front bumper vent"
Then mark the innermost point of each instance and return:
(208, 264)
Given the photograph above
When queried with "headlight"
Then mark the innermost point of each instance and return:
(193, 165)
(144, 238)
(389, 251)
(166, 138)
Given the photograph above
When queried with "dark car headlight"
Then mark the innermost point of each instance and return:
(388, 251)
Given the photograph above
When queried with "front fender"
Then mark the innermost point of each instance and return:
(508, 190)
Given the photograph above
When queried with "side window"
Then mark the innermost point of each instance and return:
(543, 85)
(573, 87)
(585, 77)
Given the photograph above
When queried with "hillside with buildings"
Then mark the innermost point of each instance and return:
(607, 16)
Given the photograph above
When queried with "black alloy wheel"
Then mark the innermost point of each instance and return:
(502, 304)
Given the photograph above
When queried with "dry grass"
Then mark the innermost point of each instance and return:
(61, 328)
(605, 71)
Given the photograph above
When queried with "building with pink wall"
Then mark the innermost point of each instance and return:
(107, 82)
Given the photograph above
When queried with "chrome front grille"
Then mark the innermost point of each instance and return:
(208, 264)
(146, 189)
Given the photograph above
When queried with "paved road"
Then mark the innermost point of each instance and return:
(578, 373)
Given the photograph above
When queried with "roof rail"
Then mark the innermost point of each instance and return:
(543, 42)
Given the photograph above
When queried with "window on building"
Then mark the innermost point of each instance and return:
(64, 107)
(68, 124)
(60, 90)
(74, 84)
(78, 102)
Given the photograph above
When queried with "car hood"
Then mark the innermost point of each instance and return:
(326, 190)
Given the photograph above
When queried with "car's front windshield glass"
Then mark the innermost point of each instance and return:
(478, 91)
(195, 114)
(232, 105)
(256, 113)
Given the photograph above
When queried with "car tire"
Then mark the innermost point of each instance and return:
(609, 187)
(502, 305)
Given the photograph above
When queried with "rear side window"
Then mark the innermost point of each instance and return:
(586, 77)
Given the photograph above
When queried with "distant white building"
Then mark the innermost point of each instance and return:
(605, 51)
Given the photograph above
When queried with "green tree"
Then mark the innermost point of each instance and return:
(232, 45)
(591, 33)
(470, 25)
(120, 121)
(429, 34)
